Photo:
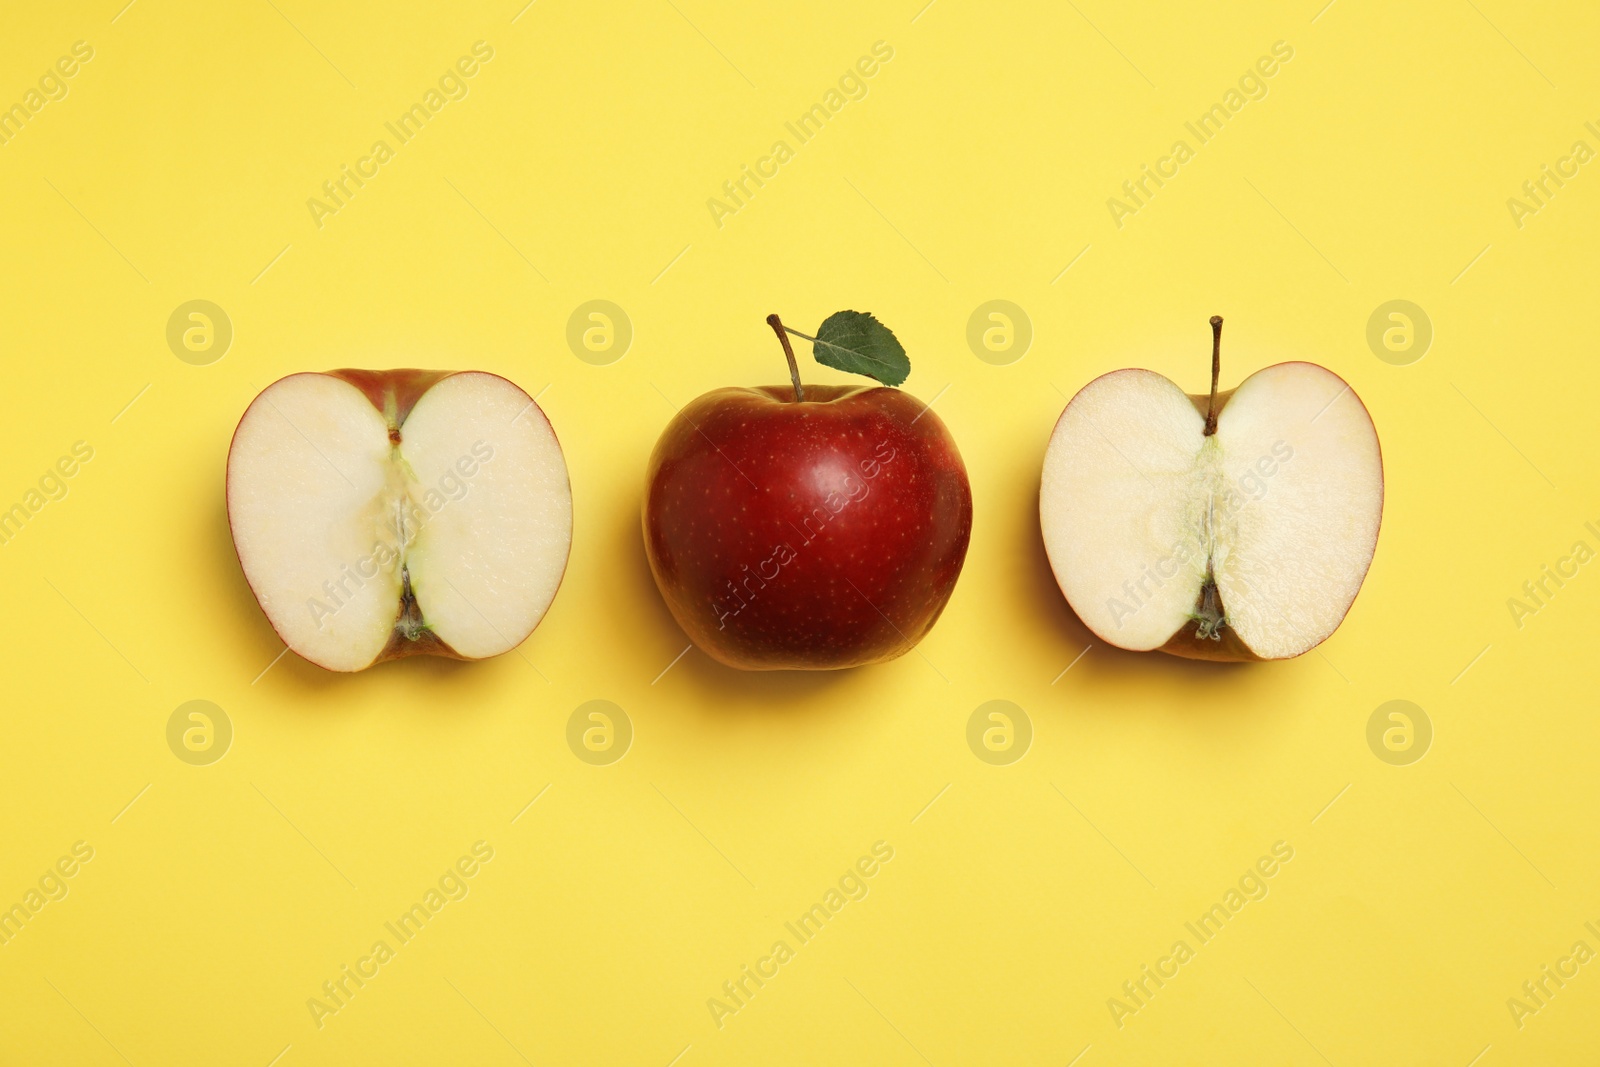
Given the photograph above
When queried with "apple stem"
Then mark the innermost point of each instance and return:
(794, 368)
(1216, 372)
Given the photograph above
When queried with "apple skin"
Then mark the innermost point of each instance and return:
(811, 535)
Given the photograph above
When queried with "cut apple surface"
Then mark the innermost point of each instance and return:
(381, 514)
(1245, 535)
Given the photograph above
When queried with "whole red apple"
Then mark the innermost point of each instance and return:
(806, 528)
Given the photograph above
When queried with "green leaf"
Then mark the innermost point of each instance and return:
(855, 342)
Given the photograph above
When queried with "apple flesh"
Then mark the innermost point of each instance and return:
(1249, 542)
(382, 514)
(815, 534)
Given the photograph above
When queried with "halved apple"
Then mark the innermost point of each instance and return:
(1229, 526)
(381, 514)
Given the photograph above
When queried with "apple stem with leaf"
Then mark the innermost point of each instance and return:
(1216, 372)
(851, 341)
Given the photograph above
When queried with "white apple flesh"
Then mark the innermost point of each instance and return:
(1242, 537)
(381, 514)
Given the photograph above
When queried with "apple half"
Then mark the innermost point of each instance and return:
(1228, 526)
(382, 514)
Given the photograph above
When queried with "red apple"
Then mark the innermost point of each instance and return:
(813, 528)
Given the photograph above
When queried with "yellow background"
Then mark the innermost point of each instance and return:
(977, 167)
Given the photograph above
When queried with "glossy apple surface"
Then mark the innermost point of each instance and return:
(814, 535)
